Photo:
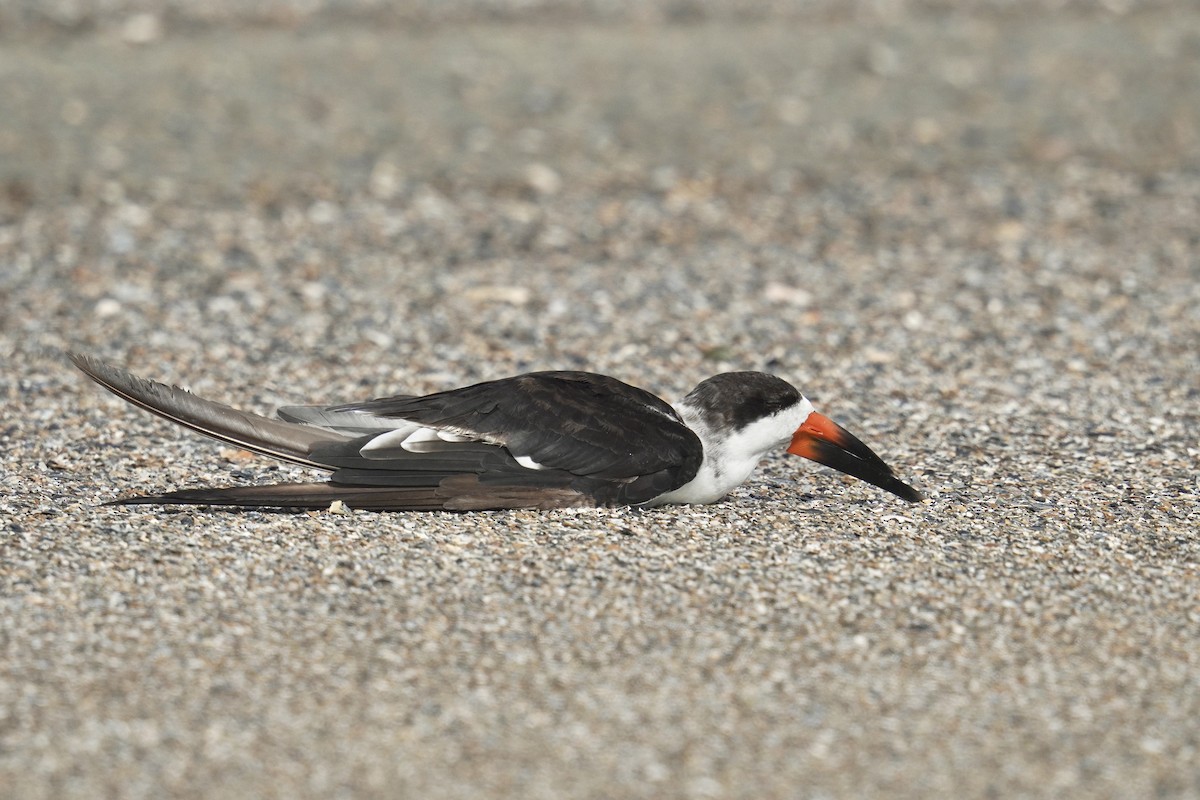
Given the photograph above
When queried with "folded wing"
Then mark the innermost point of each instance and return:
(542, 440)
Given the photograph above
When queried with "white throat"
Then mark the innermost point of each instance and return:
(730, 456)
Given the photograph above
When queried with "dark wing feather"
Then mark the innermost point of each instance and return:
(602, 442)
(283, 440)
(460, 493)
(589, 425)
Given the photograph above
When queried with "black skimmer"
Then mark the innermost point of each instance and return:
(540, 440)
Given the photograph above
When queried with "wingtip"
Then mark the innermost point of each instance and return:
(91, 366)
(77, 358)
(123, 501)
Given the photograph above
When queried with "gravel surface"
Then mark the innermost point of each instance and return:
(970, 237)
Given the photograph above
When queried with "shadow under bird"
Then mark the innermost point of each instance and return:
(540, 440)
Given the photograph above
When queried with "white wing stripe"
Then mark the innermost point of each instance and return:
(529, 463)
(388, 441)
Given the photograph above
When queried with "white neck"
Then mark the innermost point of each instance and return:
(730, 457)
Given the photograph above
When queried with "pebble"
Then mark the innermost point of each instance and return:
(991, 281)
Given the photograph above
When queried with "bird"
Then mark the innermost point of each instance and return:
(540, 440)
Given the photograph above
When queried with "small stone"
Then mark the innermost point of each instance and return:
(542, 179)
(107, 307)
(788, 295)
(142, 28)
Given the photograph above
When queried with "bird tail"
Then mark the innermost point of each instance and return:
(283, 440)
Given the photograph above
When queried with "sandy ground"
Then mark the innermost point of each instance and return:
(971, 237)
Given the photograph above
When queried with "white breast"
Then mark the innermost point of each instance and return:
(730, 457)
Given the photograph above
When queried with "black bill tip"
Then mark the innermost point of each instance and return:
(822, 440)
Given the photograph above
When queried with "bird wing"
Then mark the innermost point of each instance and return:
(253, 432)
(586, 424)
(503, 444)
(458, 493)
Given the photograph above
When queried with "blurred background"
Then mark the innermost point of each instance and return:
(967, 230)
(727, 182)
